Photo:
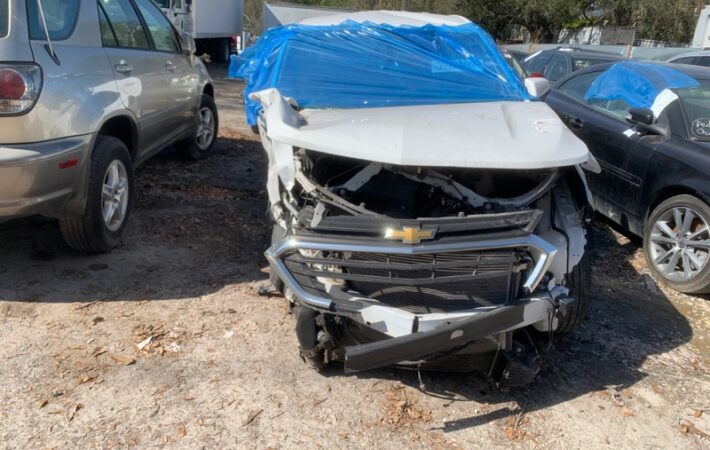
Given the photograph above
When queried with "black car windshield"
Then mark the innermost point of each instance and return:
(4, 17)
(696, 105)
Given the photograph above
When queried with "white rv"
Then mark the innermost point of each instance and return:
(212, 23)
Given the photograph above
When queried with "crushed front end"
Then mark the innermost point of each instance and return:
(431, 268)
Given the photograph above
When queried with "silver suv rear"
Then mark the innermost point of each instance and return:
(88, 91)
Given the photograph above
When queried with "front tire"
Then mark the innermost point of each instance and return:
(579, 282)
(109, 200)
(207, 125)
(676, 242)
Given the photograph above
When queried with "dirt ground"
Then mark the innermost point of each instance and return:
(165, 342)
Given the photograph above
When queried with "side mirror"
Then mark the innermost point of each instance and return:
(640, 116)
(188, 43)
(644, 121)
(537, 87)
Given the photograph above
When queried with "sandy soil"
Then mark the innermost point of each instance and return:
(166, 343)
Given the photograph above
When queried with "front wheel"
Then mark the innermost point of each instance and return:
(200, 144)
(108, 202)
(676, 243)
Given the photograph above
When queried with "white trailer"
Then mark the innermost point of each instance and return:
(702, 31)
(214, 24)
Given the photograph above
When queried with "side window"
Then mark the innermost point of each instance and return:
(704, 61)
(536, 63)
(577, 87)
(583, 63)
(108, 38)
(163, 34)
(686, 60)
(618, 108)
(556, 69)
(4, 18)
(60, 15)
(125, 24)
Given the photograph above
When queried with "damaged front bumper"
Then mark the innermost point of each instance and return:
(321, 273)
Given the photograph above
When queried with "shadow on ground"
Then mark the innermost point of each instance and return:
(626, 324)
(191, 233)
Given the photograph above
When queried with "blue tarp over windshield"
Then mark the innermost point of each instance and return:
(637, 83)
(356, 65)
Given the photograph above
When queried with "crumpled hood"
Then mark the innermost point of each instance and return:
(499, 135)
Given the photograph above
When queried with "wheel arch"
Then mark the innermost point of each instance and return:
(123, 128)
(208, 90)
(670, 191)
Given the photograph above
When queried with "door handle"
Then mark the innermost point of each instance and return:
(124, 68)
(576, 123)
(170, 66)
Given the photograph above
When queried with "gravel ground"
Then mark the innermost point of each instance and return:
(165, 342)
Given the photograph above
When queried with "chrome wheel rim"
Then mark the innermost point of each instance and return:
(205, 129)
(680, 244)
(114, 195)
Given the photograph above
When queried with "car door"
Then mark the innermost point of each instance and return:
(140, 71)
(182, 93)
(621, 153)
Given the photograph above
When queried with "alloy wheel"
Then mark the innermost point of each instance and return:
(205, 129)
(114, 195)
(680, 244)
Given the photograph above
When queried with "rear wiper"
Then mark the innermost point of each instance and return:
(48, 45)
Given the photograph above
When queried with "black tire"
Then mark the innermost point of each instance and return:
(89, 232)
(189, 148)
(699, 283)
(579, 283)
(223, 50)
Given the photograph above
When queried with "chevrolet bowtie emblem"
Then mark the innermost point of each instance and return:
(409, 235)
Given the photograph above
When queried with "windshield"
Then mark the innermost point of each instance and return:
(696, 105)
(4, 17)
(358, 65)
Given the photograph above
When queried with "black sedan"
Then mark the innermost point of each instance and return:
(649, 128)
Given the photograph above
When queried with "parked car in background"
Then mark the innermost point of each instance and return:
(557, 63)
(393, 252)
(518, 55)
(696, 58)
(514, 64)
(648, 125)
(86, 99)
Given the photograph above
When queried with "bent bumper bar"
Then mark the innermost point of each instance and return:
(418, 346)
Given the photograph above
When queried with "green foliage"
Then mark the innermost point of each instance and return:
(663, 20)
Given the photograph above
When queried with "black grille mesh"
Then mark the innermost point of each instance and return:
(422, 283)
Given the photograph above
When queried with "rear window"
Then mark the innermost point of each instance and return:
(4, 17)
(60, 15)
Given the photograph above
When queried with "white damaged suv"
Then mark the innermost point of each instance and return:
(428, 211)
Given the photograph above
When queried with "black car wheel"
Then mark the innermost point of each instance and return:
(108, 202)
(579, 282)
(677, 244)
(206, 128)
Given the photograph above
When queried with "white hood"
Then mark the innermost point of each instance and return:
(495, 135)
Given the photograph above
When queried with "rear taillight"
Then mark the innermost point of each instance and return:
(536, 75)
(19, 87)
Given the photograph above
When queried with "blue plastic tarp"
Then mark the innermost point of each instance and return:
(356, 65)
(637, 83)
